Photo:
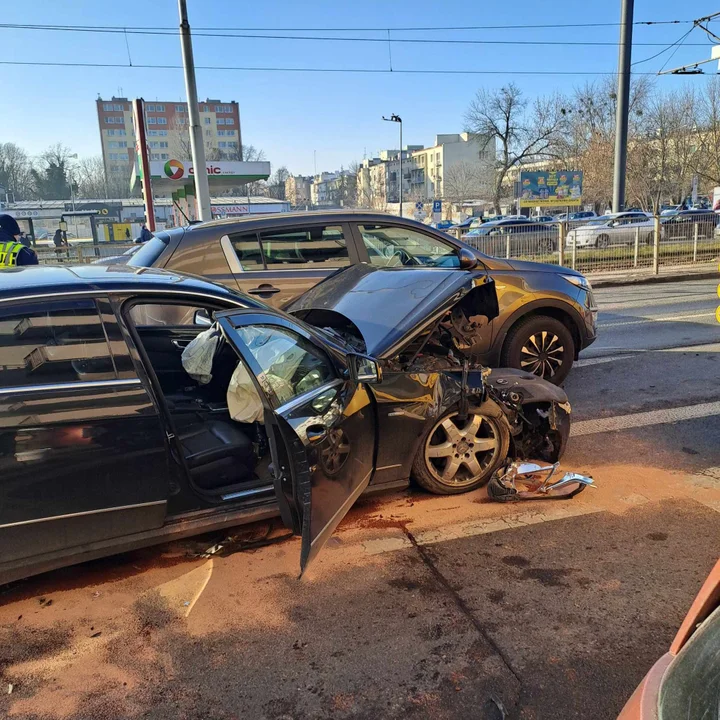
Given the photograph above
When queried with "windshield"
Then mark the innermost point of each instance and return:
(148, 253)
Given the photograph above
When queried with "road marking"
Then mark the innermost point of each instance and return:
(670, 318)
(480, 526)
(644, 419)
(705, 347)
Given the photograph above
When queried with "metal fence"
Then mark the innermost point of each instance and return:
(80, 253)
(643, 244)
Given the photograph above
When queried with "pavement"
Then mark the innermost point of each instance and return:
(420, 606)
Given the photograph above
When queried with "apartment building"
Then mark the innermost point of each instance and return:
(298, 190)
(167, 133)
(457, 167)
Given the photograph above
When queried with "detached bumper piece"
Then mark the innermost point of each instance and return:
(529, 481)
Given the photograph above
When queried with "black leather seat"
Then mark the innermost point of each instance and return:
(218, 455)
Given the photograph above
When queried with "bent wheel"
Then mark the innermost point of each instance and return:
(458, 455)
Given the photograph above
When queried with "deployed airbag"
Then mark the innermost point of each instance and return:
(197, 357)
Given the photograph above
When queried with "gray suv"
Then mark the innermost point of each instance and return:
(547, 313)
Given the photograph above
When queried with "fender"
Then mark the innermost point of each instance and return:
(573, 310)
(531, 388)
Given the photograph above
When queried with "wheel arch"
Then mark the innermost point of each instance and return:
(567, 315)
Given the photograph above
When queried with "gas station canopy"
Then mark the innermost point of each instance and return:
(223, 176)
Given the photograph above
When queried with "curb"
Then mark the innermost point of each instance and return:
(653, 279)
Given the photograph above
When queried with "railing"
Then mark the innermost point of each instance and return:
(80, 253)
(645, 245)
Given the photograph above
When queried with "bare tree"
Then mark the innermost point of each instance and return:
(463, 181)
(89, 174)
(523, 131)
(14, 172)
(707, 132)
(276, 183)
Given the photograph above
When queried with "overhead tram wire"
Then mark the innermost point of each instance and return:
(394, 71)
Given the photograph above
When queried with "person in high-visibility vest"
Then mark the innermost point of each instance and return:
(12, 251)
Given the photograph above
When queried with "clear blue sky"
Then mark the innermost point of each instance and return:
(290, 115)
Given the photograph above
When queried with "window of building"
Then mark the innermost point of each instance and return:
(118, 108)
(163, 133)
(120, 132)
(229, 121)
(114, 156)
(232, 144)
(390, 246)
(122, 144)
(317, 247)
(230, 133)
(207, 120)
(109, 133)
(222, 144)
(162, 121)
(205, 108)
(55, 342)
(180, 121)
(221, 121)
(150, 108)
(152, 133)
(219, 108)
(208, 133)
(152, 121)
(159, 108)
(155, 156)
(107, 107)
(153, 144)
(221, 133)
(179, 108)
(163, 144)
(164, 156)
(113, 144)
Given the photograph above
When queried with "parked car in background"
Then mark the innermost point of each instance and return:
(542, 218)
(278, 257)
(573, 216)
(613, 229)
(685, 682)
(114, 437)
(524, 235)
(681, 225)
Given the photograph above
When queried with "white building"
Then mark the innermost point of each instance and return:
(321, 190)
(457, 167)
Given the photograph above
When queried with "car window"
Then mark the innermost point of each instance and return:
(290, 364)
(150, 251)
(316, 247)
(58, 342)
(247, 249)
(168, 314)
(390, 246)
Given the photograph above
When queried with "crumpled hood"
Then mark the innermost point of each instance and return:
(390, 305)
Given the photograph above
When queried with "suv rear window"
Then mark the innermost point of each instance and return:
(148, 254)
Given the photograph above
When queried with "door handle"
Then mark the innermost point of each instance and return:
(316, 434)
(264, 290)
(180, 344)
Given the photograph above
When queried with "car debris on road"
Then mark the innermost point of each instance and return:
(529, 481)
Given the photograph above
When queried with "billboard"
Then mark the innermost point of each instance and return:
(546, 188)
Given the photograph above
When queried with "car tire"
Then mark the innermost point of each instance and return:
(602, 242)
(440, 469)
(543, 337)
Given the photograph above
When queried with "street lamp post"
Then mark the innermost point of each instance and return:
(398, 119)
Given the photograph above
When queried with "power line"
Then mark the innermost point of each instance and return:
(394, 71)
(173, 30)
(679, 40)
(324, 38)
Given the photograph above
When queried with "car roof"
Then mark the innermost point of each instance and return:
(52, 280)
(250, 222)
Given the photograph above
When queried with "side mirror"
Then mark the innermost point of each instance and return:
(364, 369)
(202, 318)
(468, 260)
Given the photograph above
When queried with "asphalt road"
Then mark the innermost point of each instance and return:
(421, 606)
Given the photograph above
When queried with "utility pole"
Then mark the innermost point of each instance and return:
(398, 119)
(197, 146)
(623, 103)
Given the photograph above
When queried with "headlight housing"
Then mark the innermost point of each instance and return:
(579, 281)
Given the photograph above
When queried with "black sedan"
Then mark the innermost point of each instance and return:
(140, 405)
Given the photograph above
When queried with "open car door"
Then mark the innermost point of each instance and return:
(319, 418)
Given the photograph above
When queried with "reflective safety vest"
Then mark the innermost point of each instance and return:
(9, 252)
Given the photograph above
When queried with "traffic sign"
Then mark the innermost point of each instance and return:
(418, 205)
(437, 206)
